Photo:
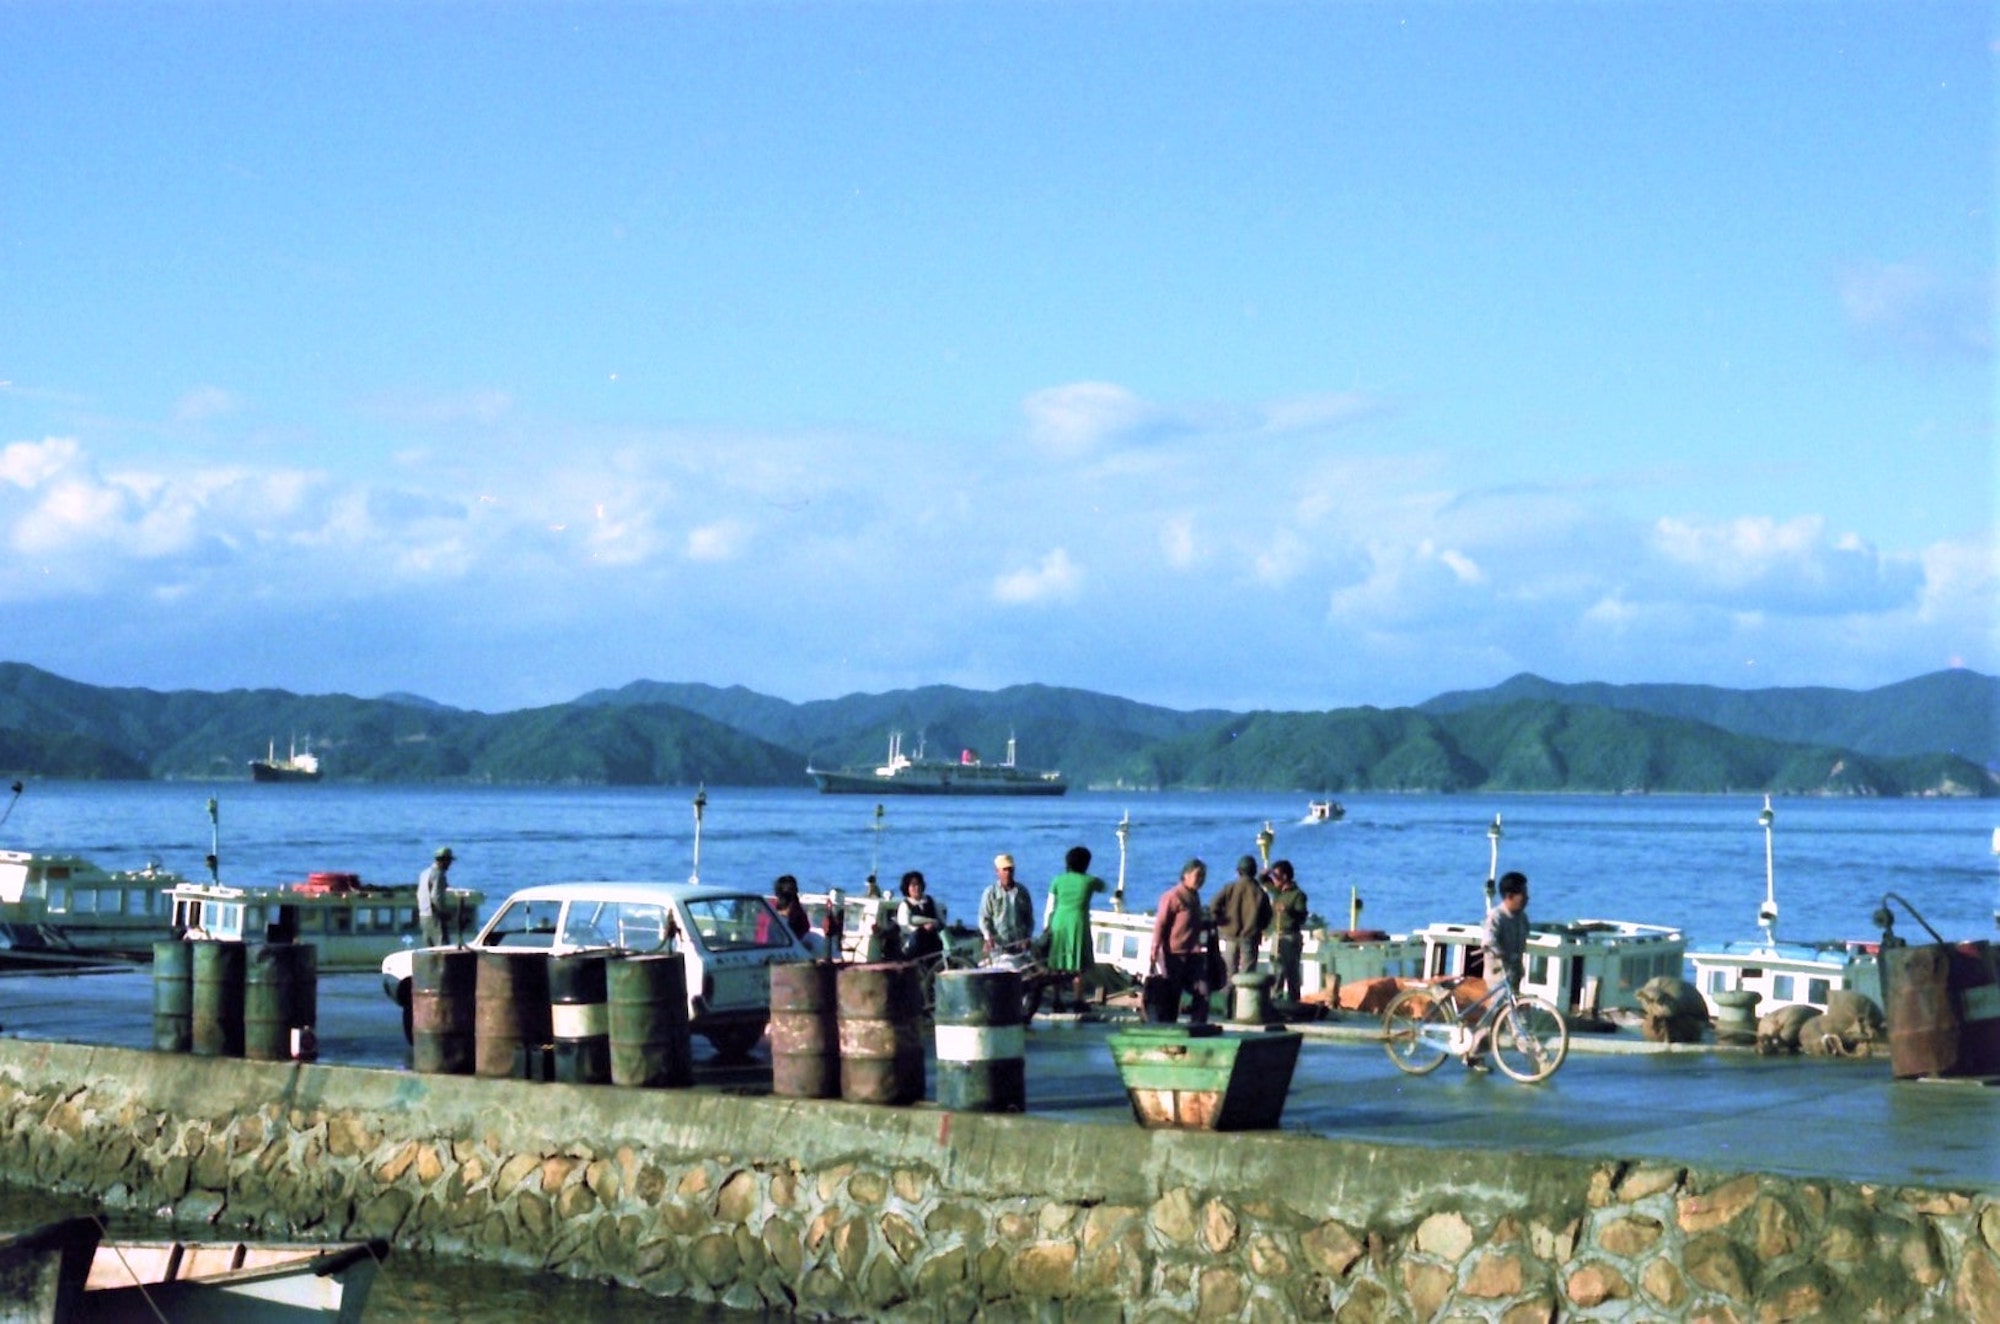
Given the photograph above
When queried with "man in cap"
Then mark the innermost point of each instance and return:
(1242, 913)
(1006, 916)
(431, 903)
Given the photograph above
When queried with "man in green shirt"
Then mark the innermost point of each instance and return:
(1288, 930)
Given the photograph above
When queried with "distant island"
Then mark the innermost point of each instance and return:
(1934, 735)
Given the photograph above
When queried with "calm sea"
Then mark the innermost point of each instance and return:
(1693, 861)
(1696, 862)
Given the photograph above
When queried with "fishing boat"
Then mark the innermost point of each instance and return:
(294, 767)
(56, 902)
(351, 924)
(1784, 973)
(905, 774)
(64, 1272)
(868, 925)
(1324, 811)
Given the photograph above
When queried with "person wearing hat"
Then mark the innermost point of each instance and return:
(1006, 915)
(431, 905)
(1242, 913)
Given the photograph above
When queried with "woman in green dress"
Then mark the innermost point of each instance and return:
(1067, 917)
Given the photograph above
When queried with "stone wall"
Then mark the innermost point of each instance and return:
(845, 1210)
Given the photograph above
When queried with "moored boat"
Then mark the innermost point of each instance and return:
(918, 775)
(352, 924)
(59, 902)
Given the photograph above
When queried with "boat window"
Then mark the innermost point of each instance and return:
(84, 901)
(737, 923)
(524, 924)
(1131, 947)
(1781, 988)
(1817, 991)
(1718, 982)
(340, 921)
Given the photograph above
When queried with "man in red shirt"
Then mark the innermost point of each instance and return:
(1180, 952)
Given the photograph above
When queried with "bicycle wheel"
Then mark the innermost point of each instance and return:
(1416, 1029)
(1530, 1040)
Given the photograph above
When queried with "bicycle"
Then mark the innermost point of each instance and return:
(1526, 1036)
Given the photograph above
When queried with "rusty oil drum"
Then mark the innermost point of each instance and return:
(510, 1015)
(1923, 1026)
(981, 1042)
(444, 986)
(217, 1012)
(579, 1021)
(277, 978)
(881, 1041)
(651, 1045)
(173, 996)
(805, 1030)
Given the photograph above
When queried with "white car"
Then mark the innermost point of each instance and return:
(730, 939)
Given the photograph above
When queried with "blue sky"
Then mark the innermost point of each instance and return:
(1269, 355)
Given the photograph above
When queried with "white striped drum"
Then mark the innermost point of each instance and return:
(579, 1021)
(981, 1042)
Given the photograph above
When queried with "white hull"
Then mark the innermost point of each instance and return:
(58, 902)
(1787, 974)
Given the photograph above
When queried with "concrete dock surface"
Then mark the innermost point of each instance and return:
(1614, 1098)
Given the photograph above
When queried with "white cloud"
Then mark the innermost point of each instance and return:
(1908, 308)
(1055, 578)
(723, 540)
(205, 403)
(29, 464)
(1177, 542)
(1785, 565)
(1075, 420)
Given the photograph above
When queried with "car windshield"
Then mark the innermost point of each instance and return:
(524, 924)
(737, 923)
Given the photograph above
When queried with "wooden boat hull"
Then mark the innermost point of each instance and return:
(230, 1283)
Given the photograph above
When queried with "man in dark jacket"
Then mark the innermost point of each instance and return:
(1242, 913)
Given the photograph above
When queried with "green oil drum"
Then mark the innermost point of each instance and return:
(981, 1042)
(649, 1039)
(217, 1010)
(444, 986)
(274, 979)
(173, 996)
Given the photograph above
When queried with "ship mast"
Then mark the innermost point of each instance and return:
(1767, 914)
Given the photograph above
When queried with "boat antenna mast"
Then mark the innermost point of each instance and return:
(1493, 835)
(700, 804)
(214, 841)
(875, 848)
(1767, 914)
(1125, 830)
(18, 788)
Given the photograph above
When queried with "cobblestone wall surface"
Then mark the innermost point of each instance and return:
(843, 1210)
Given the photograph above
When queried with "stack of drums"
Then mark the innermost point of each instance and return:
(805, 1031)
(510, 1017)
(881, 1045)
(217, 1017)
(173, 996)
(578, 1020)
(444, 986)
(981, 1042)
(277, 987)
(649, 1038)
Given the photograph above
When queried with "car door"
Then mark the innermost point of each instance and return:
(737, 936)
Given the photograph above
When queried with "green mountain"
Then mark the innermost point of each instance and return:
(1524, 736)
(1951, 712)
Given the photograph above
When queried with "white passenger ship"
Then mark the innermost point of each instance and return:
(58, 902)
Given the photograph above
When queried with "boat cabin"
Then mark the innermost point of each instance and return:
(1584, 966)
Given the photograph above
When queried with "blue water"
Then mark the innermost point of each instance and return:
(1693, 861)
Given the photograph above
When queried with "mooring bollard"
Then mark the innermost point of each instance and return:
(981, 1042)
(1250, 997)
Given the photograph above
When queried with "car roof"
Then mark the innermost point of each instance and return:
(627, 891)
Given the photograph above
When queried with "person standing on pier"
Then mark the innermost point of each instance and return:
(1180, 949)
(1066, 916)
(1242, 913)
(1503, 950)
(1288, 931)
(433, 898)
(1006, 915)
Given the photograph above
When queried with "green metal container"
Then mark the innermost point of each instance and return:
(1196, 1078)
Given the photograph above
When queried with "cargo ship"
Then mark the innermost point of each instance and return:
(296, 767)
(907, 775)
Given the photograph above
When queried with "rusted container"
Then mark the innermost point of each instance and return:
(981, 1041)
(444, 984)
(1923, 1026)
(1196, 1078)
(218, 999)
(510, 1013)
(881, 1040)
(650, 1043)
(805, 1030)
(579, 1019)
(173, 996)
(275, 980)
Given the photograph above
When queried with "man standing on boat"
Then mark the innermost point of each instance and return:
(1006, 915)
(1242, 913)
(1180, 948)
(1288, 931)
(431, 897)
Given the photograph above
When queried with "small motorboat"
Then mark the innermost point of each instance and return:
(63, 1272)
(1324, 811)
